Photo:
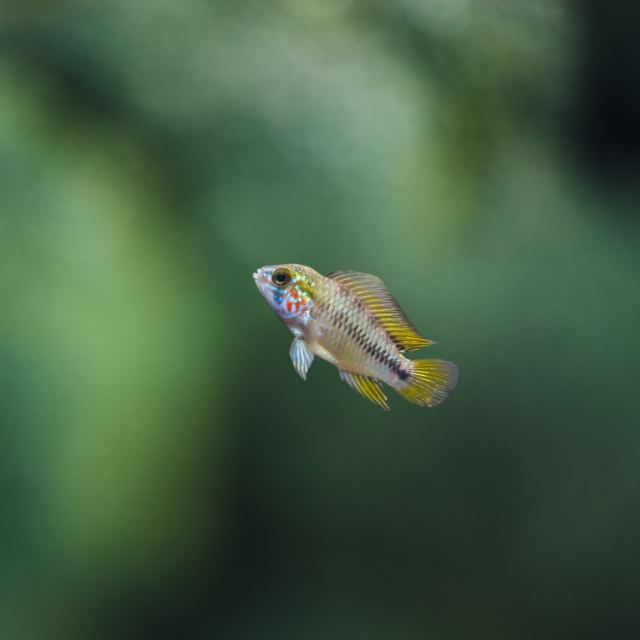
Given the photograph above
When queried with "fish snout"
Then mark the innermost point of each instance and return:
(261, 279)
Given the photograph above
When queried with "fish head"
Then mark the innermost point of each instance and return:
(288, 288)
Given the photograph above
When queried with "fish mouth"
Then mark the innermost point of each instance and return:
(258, 278)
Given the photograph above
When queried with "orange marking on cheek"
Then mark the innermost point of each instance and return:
(289, 305)
(294, 293)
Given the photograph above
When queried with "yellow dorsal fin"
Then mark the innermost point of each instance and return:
(383, 306)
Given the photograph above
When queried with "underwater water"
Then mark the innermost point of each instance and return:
(165, 472)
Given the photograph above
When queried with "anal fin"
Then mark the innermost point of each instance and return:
(370, 388)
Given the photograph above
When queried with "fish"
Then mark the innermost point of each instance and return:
(352, 321)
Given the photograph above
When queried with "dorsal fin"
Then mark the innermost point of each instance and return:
(383, 306)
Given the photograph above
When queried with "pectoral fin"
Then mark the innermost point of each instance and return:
(301, 357)
(368, 387)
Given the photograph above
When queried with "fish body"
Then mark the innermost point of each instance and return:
(351, 320)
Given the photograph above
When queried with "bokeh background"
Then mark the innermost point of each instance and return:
(164, 473)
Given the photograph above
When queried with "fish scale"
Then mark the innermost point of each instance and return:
(351, 320)
(363, 339)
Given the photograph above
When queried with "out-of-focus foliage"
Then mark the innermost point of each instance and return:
(164, 473)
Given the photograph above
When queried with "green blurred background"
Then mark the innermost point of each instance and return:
(164, 472)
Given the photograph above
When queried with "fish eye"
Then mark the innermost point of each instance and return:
(281, 277)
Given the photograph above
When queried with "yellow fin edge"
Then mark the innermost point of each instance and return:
(370, 388)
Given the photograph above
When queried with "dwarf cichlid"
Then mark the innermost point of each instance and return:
(351, 320)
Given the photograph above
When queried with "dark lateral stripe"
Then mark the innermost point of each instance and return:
(381, 355)
(377, 351)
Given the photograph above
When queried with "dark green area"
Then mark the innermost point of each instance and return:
(164, 473)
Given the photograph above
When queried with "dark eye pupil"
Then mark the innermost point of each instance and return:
(281, 277)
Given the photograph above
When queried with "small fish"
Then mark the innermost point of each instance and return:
(351, 320)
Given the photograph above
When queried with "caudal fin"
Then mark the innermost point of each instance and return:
(429, 382)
